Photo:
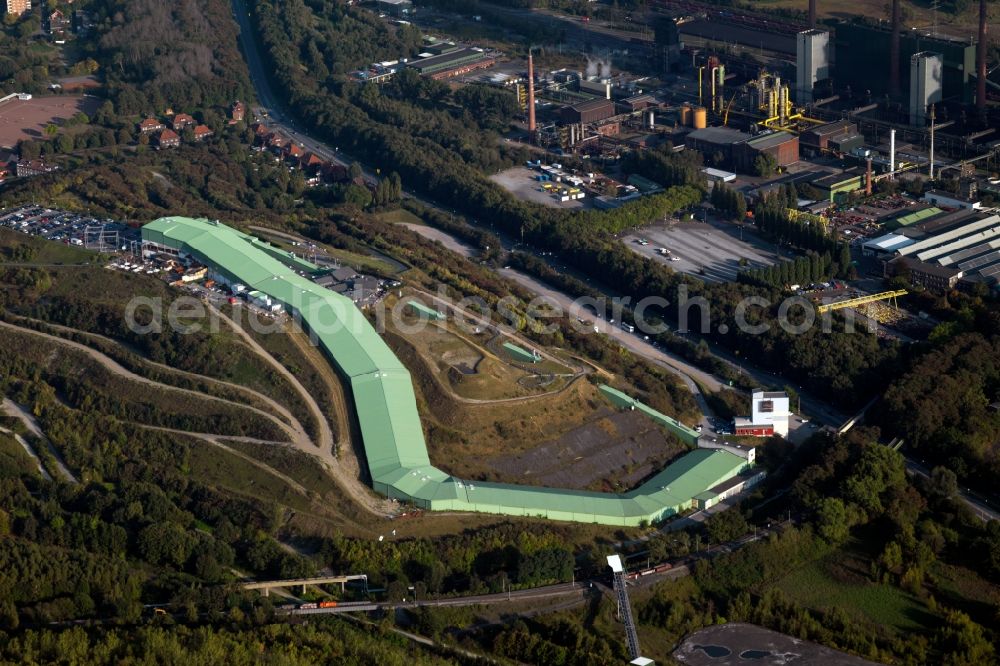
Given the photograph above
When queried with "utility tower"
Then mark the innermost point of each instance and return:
(625, 610)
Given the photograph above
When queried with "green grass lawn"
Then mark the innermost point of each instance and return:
(399, 216)
(44, 251)
(217, 467)
(823, 584)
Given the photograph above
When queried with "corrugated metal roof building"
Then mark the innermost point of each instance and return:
(386, 406)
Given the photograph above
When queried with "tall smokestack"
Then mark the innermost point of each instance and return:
(868, 178)
(812, 13)
(892, 152)
(531, 96)
(932, 143)
(894, 89)
(981, 61)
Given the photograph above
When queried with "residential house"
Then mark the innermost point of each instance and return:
(182, 121)
(168, 139)
(150, 125)
(34, 168)
(237, 111)
(311, 162)
(334, 173)
(58, 23)
(294, 153)
(18, 7)
(202, 132)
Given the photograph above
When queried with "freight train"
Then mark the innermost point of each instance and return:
(313, 605)
(659, 568)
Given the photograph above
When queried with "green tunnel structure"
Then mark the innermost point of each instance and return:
(386, 406)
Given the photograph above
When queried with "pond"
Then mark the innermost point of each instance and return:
(714, 651)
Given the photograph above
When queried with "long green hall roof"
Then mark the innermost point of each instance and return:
(386, 405)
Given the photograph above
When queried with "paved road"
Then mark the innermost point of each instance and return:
(271, 103)
(976, 503)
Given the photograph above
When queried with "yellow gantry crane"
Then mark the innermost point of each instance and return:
(863, 300)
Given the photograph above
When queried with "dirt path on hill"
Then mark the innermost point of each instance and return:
(31, 423)
(116, 368)
(280, 409)
(325, 442)
(346, 469)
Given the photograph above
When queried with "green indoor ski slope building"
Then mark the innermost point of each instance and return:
(392, 434)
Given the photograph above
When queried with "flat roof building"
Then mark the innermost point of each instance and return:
(818, 138)
(452, 59)
(712, 140)
(395, 7)
(949, 200)
(588, 112)
(782, 146)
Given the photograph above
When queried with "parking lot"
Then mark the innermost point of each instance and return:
(711, 251)
(88, 232)
(521, 182)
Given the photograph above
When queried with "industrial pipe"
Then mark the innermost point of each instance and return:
(981, 61)
(894, 89)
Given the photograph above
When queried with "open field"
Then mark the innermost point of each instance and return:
(474, 366)
(26, 119)
(572, 438)
(399, 216)
(40, 251)
(611, 452)
(841, 580)
(710, 251)
(520, 182)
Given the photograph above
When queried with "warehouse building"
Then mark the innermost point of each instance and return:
(943, 251)
(816, 140)
(949, 200)
(395, 7)
(451, 60)
(836, 187)
(588, 112)
(715, 140)
(927, 275)
(782, 146)
(386, 406)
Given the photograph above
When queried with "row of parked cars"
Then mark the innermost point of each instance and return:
(68, 227)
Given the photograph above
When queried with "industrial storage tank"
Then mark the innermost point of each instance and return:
(686, 115)
(700, 118)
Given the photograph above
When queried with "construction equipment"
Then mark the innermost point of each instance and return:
(863, 300)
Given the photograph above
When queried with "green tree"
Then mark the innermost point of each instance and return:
(833, 520)
(765, 165)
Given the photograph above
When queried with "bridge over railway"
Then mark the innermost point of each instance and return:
(268, 585)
